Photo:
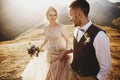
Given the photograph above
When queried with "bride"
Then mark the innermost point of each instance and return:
(55, 65)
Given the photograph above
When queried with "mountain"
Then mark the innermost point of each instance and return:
(104, 12)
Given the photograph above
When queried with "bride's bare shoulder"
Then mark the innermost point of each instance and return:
(60, 25)
(46, 28)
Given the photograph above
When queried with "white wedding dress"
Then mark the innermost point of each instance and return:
(36, 69)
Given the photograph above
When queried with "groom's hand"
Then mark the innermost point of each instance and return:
(68, 51)
(65, 53)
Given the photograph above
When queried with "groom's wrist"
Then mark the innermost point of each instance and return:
(70, 50)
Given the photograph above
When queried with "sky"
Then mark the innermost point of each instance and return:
(114, 0)
(91, 1)
(16, 10)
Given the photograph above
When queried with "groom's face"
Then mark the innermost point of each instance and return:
(74, 17)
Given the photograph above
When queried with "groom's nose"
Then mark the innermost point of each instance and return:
(70, 20)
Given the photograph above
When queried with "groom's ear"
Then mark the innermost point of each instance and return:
(79, 13)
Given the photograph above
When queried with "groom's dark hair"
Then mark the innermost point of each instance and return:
(81, 4)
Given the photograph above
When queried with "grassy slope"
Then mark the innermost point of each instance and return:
(14, 57)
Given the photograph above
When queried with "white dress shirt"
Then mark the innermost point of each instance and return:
(102, 49)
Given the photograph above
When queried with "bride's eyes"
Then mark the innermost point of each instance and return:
(53, 15)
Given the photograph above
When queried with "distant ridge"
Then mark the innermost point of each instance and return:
(104, 12)
(39, 26)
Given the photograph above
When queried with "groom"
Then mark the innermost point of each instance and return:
(91, 50)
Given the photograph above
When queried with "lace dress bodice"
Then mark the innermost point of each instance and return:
(54, 39)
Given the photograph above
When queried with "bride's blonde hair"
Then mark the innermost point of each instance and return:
(47, 12)
(51, 9)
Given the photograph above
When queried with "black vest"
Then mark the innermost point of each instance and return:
(84, 58)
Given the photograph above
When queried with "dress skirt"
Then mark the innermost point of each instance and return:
(58, 69)
(36, 69)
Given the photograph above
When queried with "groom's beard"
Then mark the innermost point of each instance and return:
(75, 25)
(78, 23)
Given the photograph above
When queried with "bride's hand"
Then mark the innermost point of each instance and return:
(40, 49)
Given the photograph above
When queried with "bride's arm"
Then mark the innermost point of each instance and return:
(45, 41)
(43, 44)
(67, 41)
(65, 36)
